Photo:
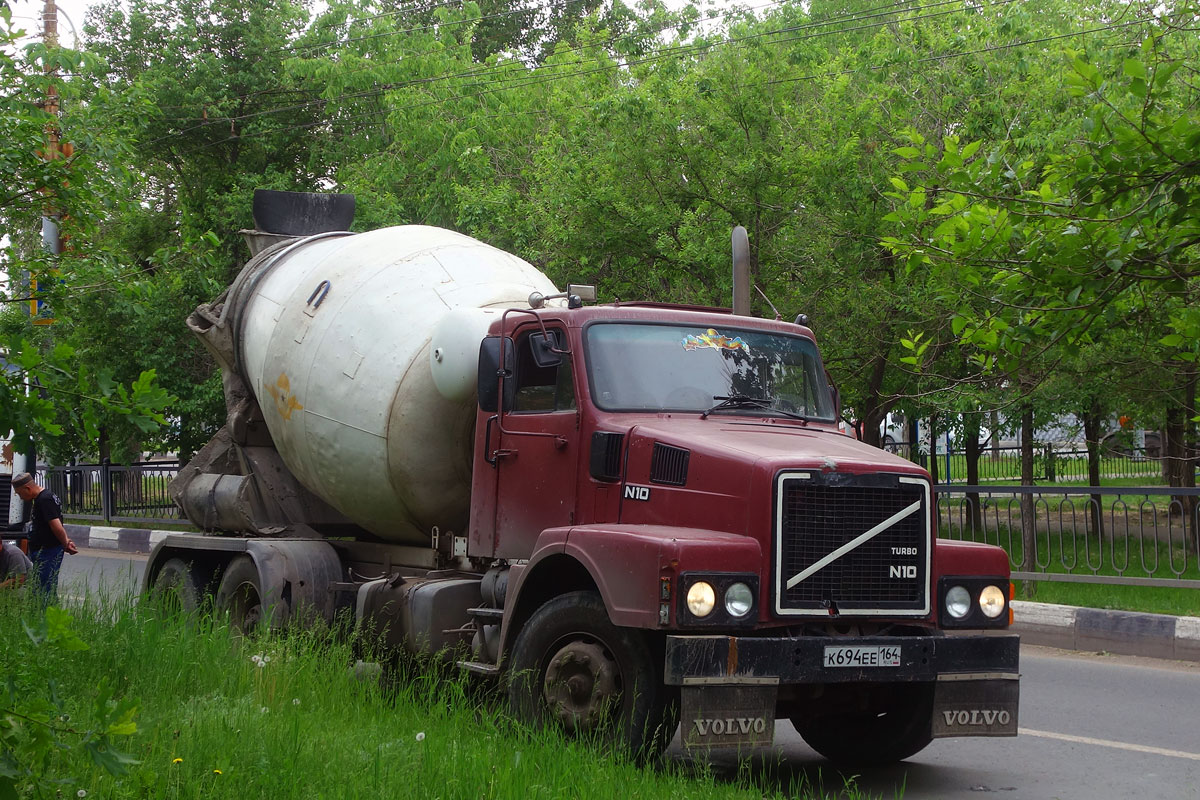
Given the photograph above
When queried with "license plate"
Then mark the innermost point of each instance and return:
(885, 655)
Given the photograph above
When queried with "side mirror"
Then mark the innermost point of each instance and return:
(834, 395)
(489, 373)
(544, 349)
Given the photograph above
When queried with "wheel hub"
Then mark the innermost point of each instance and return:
(581, 683)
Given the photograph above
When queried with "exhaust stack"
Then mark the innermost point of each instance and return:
(741, 272)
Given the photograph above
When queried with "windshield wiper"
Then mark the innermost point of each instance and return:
(746, 401)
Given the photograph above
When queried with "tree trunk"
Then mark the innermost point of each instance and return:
(1093, 419)
(995, 435)
(1028, 508)
(933, 462)
(874, 409)
(971, 423)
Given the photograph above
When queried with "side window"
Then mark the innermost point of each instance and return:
(542, 389)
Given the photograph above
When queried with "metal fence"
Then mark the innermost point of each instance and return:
(136, 493)
(1136, 536)
(1050, 463)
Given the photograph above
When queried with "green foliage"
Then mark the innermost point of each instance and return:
(958, 206)
(44, 730)
(1075, 241)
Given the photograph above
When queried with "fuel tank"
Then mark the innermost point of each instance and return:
(361, 351)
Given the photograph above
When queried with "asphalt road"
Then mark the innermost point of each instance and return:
(1092, 727)
(100, 571)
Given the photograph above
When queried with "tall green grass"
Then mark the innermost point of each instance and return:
(285, 716)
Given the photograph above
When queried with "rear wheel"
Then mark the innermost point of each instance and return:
(179, 586)
(241, 594)
(866, 726)
(571, 667)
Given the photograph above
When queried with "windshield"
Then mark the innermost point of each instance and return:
(635, 367)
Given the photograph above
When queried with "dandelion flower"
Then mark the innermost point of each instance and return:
(263, 709)
(81, 793)
(421, 736)
(295, 701)
(177, 761)
(217, 772)
(257, 659)
(266, 659)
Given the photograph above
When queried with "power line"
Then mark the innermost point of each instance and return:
(988, 49)
(670, 52)
(298, 48)
(514, 64)
(931, 59)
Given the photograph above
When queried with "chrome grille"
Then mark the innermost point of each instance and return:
(886, 573)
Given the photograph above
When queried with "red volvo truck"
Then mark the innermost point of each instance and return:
(636, 516)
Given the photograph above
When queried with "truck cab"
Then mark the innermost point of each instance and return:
(682, 471)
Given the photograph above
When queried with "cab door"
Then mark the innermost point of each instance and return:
(536, 444)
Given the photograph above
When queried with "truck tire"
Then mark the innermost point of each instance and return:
(895, 724)
(240, 593)
(178, 587)
(571, 667)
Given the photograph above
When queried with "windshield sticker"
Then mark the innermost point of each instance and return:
(710, 339)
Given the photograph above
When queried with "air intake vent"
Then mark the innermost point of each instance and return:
(606, 456)
(669, 465)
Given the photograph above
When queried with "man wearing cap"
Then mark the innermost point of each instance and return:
(48, 538)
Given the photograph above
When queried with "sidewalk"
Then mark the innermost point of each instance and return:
(1066, 627)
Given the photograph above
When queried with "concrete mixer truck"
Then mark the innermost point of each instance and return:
(632, 516)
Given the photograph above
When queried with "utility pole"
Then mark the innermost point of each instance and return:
(51, 238)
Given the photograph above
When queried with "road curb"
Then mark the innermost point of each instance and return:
(1065, 627)
(1099, 630)
(124, 540)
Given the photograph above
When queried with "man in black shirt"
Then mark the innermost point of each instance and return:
(48, 538)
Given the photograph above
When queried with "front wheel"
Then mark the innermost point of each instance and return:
(571, 667)
(866, 726)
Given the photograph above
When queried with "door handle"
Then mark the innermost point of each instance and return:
(493, 456)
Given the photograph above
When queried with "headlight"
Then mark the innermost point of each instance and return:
(701, 599)
(738, 600)
(958, 602)
(991, 601)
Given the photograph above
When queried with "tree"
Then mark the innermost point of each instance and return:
(42, 379)
(1084, 241)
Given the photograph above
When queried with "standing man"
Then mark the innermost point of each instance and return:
(48, 538)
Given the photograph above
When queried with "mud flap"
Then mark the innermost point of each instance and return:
(728, 715)
(965, 706)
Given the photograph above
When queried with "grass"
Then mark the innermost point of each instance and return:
(1067, 469)
(285, 717)
(1148, 599)
(1077, 553)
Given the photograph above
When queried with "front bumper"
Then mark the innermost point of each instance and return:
(730, 684)
(802, 659)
